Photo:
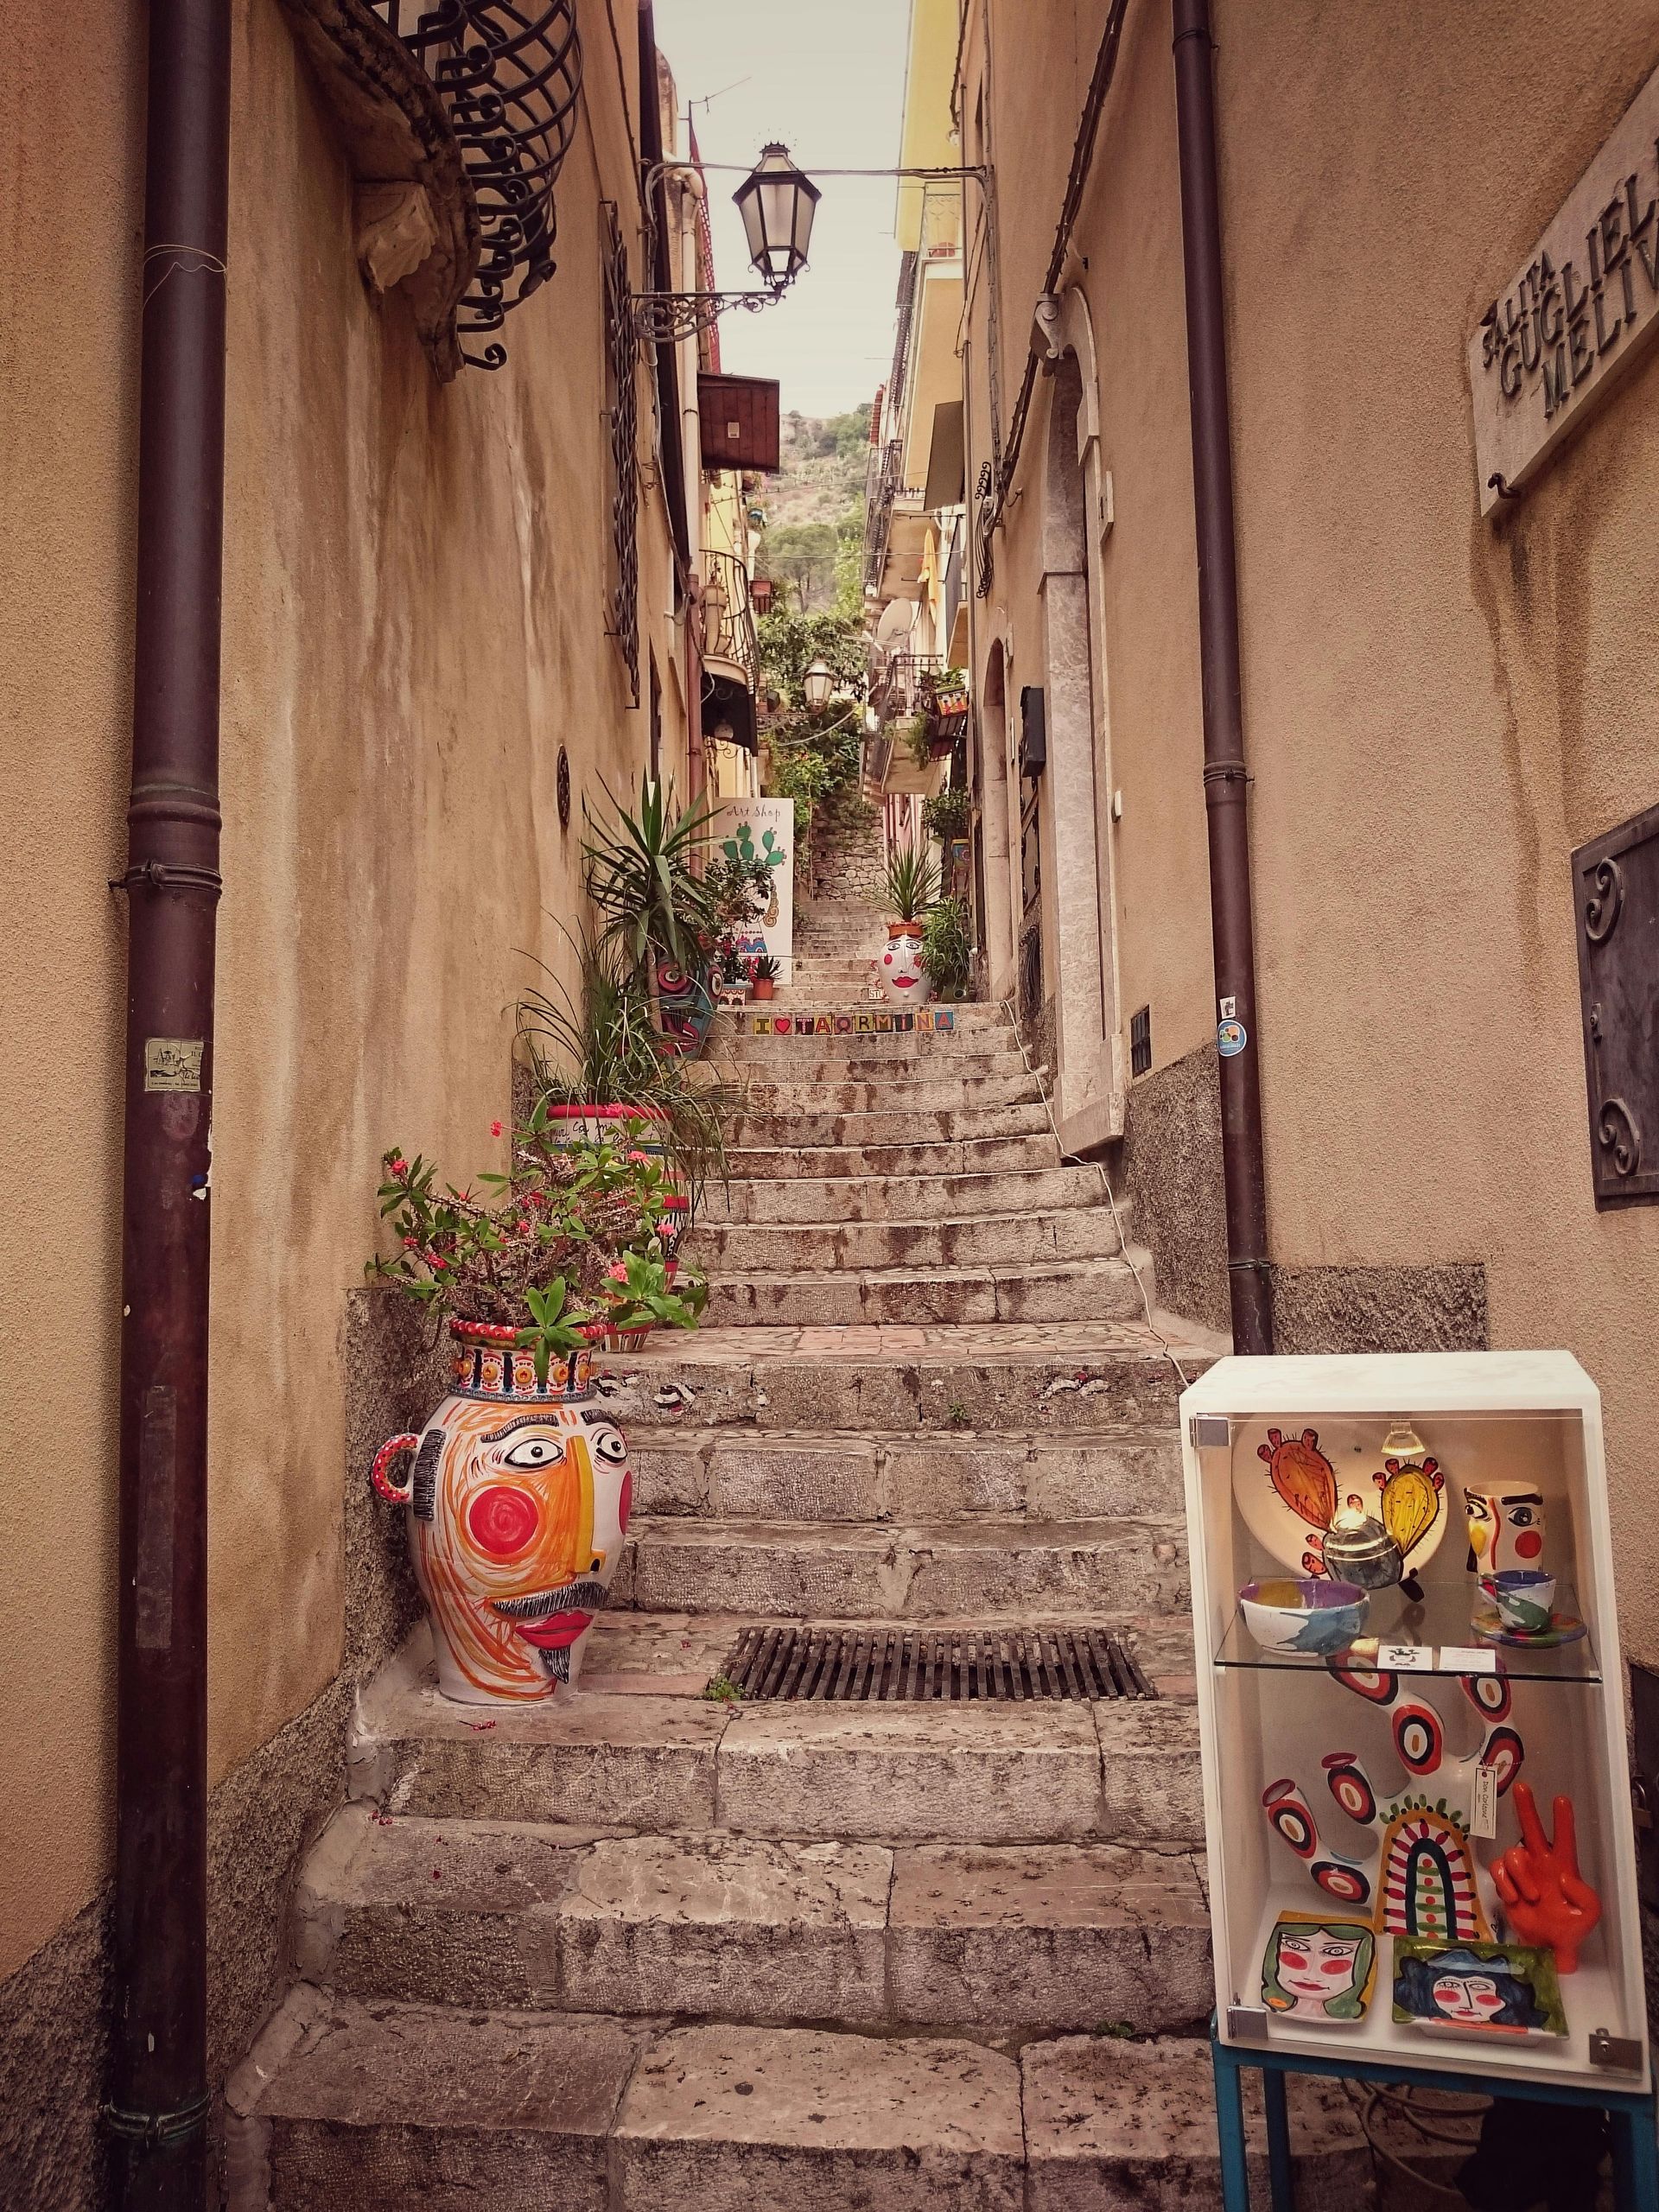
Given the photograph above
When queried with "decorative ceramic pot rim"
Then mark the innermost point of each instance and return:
(905, 929)
(487, 1364)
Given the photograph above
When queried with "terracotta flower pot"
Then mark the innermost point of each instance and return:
(518, 1503)
(763, 987)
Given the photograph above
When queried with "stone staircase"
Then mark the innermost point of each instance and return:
(653, 1949)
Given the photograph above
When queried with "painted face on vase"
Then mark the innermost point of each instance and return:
(519, 1541)
(1506, 1529)
(903, 977)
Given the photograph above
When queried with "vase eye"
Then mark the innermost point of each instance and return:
(534, 1451)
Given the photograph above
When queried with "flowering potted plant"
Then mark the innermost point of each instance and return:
(519, 1492)
(731, 973)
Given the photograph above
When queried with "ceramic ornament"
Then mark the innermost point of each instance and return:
(1294, 1505)
(1427, 1881)
(1492, 1990)
(903, 977)
(1319, 1970)
(1546, 1899)
(517, 1501)
(1506, 1528)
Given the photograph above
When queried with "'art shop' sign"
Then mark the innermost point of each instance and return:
(1577, 314)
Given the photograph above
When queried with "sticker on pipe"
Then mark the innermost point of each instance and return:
(1230, 1038)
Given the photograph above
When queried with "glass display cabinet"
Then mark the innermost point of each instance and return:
(1416, 1798)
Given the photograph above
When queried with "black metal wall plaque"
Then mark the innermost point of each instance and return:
(1616, 902)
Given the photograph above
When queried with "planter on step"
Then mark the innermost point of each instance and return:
(904, 979)
(518, 1504)
(763, 986)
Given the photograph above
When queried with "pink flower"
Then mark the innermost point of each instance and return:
(400, 1165)
(410, 1243)
(436, 1259)
(525, 1226)
(495, 1128)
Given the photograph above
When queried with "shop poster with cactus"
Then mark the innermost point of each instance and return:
(763, 831)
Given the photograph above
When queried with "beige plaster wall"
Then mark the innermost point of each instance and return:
(414, 613)
(1438, 709)
(1126, 265)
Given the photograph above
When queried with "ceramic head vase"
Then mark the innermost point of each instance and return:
(899, 966)
(1506, 1528)
(518, 1502)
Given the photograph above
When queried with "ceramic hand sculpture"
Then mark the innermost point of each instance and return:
(1547, 1901)
(1426, 1881)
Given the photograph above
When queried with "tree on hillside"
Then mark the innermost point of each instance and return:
(791, 642)
(803, 556)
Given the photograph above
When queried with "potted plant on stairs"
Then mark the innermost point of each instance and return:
(910, 886)
(641, 868)
(763, 972)
(518, 1493)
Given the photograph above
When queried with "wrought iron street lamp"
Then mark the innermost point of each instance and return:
(817, 684)
(777, 203)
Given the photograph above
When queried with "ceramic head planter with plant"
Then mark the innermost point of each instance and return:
(909, 888)
(519, 1493)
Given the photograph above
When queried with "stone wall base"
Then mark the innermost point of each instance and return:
(261, 1819)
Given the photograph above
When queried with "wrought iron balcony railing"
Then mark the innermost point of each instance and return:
(907, 685)
(884, 487)
(509, 76)
(728, 638)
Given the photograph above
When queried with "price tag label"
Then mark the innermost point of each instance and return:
(1405, 1658)
(1468, 1659)
(1483, 1815)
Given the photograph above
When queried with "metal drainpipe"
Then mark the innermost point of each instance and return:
(159, 2098)
(1225, 780)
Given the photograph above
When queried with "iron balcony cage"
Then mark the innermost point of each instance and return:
(728, 620)
(509, 78)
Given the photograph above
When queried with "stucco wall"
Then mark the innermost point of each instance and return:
(1437, 709)
(415, 582)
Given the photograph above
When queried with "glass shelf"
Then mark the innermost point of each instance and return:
(1440, 1630)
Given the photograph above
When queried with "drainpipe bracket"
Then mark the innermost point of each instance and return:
(162, 875)
(156, 2129)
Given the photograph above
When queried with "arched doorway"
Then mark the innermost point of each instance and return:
(1075, 892)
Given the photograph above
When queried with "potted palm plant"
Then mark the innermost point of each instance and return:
(642, 867)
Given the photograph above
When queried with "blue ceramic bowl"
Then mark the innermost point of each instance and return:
(1304, 1613)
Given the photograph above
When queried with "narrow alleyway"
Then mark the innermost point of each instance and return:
(706, 1952)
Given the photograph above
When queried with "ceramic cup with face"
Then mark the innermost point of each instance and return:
(904, 979)
(518, 1502)
(1506, 1529)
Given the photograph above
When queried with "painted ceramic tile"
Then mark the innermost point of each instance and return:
(843, 1025)
(944, 1017)
(1487, 1990)
(1317, 1969)
(863, 1023)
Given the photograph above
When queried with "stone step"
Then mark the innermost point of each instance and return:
(996, 1241)
(1026, 1938)
(1098, 1570)
(967, 1020)
(954, 1156)
(809, 1066)
(945, 1196)
(1063, 1290)
(914, 1092)
(1107, 1375)
(430, 2108)
(1121, 1772)
(905, 1475)
(750, 1132)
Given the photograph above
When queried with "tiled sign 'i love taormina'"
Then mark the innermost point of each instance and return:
(1579, 310)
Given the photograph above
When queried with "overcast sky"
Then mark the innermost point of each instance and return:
(828, 81)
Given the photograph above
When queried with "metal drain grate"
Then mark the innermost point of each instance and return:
(869, 1665)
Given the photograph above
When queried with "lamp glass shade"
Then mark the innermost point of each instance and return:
(818, 682)
(777, 204)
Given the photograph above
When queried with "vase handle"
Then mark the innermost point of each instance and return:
(383, 1459)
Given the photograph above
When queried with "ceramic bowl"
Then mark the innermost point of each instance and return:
(1284, 1613)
